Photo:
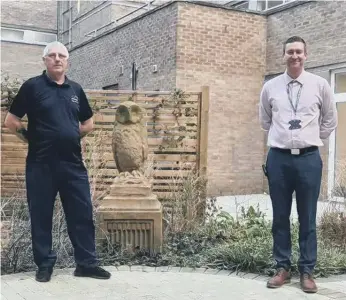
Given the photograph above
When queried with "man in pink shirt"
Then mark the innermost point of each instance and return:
(298, 111)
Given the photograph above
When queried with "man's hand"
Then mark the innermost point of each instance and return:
(86, 127)
(14, 124)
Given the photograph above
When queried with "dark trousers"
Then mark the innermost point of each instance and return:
(43, 182)
(300, 173)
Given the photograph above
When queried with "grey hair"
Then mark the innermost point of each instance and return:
(52, 45)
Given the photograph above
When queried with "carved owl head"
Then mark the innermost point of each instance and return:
(129, 112)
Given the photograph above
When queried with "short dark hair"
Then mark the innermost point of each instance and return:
(293, 39)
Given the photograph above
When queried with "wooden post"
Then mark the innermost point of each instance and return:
(202, 151)
(203, 131)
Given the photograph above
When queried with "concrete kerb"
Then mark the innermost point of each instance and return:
(330, 293)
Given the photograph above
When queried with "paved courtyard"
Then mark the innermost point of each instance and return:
(147, 283)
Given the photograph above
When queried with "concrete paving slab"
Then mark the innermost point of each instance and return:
(137, 283)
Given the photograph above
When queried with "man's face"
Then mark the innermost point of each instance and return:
(295, 55)
(56, 60)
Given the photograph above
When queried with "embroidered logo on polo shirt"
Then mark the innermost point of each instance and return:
(74, 99)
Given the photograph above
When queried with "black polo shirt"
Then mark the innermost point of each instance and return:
(54, 112)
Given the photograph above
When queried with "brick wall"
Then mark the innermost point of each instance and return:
(40, 14)
(225, 50)
(147, 41)
(123, 12)
(320, 23)
(21, 60)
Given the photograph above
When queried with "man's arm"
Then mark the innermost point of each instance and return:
(86, 124)
(329, 115)
(265, 111)
(14, 124)
(86, 127)
(17, 111)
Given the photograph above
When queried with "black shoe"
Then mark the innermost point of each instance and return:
(93, 272)
(44, 274)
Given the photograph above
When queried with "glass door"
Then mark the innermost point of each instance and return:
(337, 141)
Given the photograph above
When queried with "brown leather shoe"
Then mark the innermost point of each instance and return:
(307, 283)
(279, 279)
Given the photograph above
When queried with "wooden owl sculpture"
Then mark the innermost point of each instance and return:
(129, 144)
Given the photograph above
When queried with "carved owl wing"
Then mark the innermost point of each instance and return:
(114, 146)
(144, 143)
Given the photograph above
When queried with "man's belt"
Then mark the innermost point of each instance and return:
(297, 151)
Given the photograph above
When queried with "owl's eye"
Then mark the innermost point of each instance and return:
(122, 109)
(135, 109)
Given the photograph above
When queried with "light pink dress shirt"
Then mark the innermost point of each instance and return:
(316, 110)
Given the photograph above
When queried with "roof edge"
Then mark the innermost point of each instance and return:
(154, 10)
(123, 25)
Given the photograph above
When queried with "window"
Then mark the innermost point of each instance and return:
(260, 5)
(41, 37)
(337, 144)
(27, 36)
(271, 4)
(66, 20)
(244, 5)
(66, 26)
(9, 34)
(257, 5)
(66, 38)
(340, 83)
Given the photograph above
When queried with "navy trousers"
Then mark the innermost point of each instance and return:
(43, 182)
(300, 173)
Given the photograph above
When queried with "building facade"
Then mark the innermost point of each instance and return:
(232, 47)
(26, 27)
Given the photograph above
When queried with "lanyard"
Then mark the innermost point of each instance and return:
(298, 96)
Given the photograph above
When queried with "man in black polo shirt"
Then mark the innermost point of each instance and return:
(58, 115)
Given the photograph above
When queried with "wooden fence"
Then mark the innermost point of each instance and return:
(177, 124)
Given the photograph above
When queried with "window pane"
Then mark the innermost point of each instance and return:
(244, 5)
(340, 150)
(13, 35)
(272, 4)
(65, 38)
(257, 5)
(41, 37)
(66, 21)
(340, 83)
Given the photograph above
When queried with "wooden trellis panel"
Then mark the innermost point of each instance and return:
(177, 137)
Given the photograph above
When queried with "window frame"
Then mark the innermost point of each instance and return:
(266, 9)
(29, 36)
(339, 98)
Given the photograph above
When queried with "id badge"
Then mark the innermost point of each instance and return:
(295, 124)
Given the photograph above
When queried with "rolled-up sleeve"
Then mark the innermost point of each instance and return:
(265, 111)
(329, 116)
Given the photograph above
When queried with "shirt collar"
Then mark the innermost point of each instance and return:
(300, 79)
(52, 82)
